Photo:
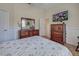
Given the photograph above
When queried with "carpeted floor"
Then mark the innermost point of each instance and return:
(72, 49)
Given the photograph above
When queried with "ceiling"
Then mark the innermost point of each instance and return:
(49, 5)
(44, 5)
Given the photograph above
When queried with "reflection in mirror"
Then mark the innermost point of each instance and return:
(27, 23)
(23, 23)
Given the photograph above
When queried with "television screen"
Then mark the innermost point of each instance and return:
(60, 16)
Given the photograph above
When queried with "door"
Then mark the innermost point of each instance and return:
(4, 25)
(42, 27)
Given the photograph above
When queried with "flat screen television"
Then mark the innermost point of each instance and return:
(62, 16)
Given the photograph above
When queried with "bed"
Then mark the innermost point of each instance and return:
(33, 46)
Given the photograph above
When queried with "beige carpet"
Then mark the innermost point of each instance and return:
(72, 49)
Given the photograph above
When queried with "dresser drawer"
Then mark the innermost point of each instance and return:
(28, 33)
(60, 40)
(24, 33)
(58, 35)
(36, 32)
(31, 33)
(57, 27)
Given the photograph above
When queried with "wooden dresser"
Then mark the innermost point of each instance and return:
(27, 33)
(58, 33)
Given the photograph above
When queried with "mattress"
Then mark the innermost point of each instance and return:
(33, 46)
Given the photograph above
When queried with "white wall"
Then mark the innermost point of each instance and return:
(24, 10)
(16, 11)
(72, 25)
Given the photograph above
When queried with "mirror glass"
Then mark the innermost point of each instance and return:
(27, 23)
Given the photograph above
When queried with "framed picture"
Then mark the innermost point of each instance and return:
(27, 23)
(61, 16)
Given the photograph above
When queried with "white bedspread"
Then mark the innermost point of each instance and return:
(33, 46)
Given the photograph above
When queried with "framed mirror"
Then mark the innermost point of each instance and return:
(27, 23)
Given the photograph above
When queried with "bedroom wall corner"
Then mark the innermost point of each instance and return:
(72, 25)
